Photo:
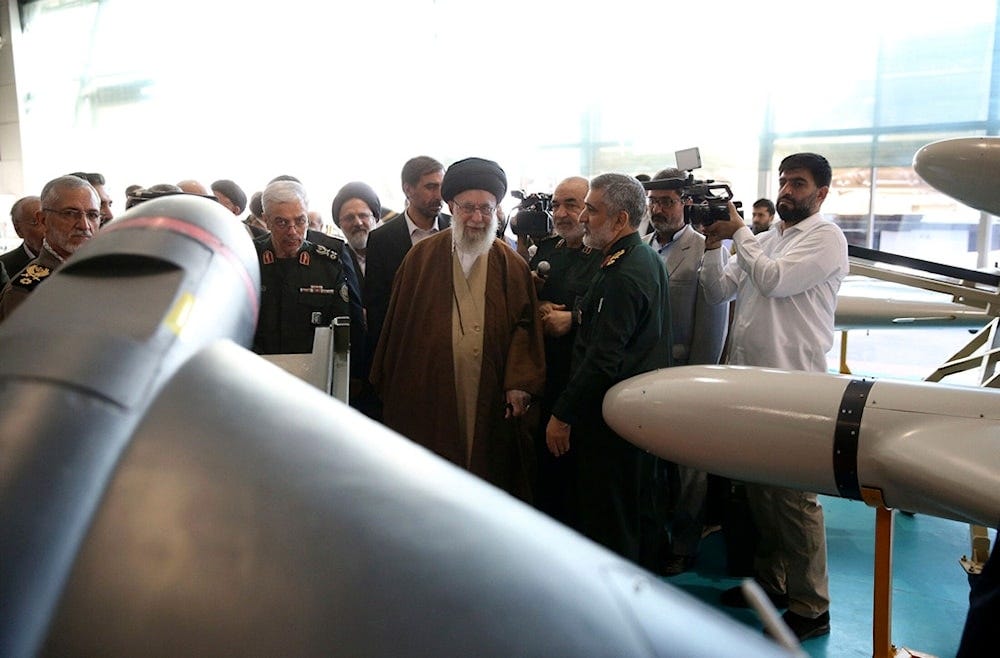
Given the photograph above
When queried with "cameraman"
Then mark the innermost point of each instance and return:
(561, 285)
(785, 283)
(699, 330)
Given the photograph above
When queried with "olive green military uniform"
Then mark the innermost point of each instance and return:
(298, 295)
(624, 331)
(568, 279)
(22, 283)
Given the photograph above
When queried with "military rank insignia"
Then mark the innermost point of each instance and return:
(613, 258)
(318, 289)
(32, 275)
(343, 292)
(326, 251)
(267, 257)
(304, 258)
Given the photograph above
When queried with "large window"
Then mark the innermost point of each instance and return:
(157, 91)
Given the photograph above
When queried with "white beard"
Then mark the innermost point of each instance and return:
(473, 245)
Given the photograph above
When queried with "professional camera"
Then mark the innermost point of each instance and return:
(533, 216)
(706, 206)
(707, 199)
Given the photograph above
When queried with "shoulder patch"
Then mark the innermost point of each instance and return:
(31, 276)
(613, 258)
(267, 257)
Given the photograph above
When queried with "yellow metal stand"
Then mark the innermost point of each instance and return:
(844, 369)
(882, 646)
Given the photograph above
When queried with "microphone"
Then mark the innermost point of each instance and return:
(543, 268)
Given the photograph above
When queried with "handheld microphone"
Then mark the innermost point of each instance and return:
(543, 268)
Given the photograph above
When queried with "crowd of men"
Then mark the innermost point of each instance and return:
(500, 363)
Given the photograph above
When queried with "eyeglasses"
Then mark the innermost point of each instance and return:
(663, 201)
(469, 209)
(76, 215)
(361, 217)
(283, 223)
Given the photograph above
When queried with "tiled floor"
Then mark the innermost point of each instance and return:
(930, 589)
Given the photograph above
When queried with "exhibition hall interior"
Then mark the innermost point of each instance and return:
(149, 92)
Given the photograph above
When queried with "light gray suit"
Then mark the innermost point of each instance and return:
(699, 331)
(699, 328)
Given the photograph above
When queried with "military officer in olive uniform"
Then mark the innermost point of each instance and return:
(70, 213)
(563, 267)
(303, 285)
(624, 331)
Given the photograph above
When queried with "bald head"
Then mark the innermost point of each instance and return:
(567, 203)
(192, 186)
(24, 217)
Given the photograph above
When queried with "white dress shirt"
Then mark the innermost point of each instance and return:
(785, 282)
(416, 233)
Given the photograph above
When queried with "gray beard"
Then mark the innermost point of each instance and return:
(472, 245)
(358, 240)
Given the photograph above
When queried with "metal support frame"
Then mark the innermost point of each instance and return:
(328, 366)
(969, 287)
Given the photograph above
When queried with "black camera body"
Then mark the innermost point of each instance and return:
(708, 201)
(533, 216)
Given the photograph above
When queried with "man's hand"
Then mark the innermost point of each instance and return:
(557, 436)
(518, 403)
(556, 320)
(721, 230)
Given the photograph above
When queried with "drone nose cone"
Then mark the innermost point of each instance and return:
(965, 168)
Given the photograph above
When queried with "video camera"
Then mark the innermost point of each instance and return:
(533, 216)
(706, 206)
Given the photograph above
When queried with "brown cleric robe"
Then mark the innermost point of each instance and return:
(413, 369)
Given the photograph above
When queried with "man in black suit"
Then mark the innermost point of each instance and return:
(30, 229)
(390, 242)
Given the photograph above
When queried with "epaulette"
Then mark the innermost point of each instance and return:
(613, 258)
(326, 251)
(31, 276)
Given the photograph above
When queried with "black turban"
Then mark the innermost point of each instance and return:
(232, 191)
(474, 174)
(356, 190)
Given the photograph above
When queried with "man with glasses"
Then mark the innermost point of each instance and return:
(70, 215)
(303, 285)
(461, 353)
(97, 182)
(355, 209)
(31, 230)
(699, 331)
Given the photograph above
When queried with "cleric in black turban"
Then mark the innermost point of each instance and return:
(474, 174)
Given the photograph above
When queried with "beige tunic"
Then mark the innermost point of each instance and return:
(414, 372)
(467, 317)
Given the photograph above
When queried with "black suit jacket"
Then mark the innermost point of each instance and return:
(388, 244)
(15, 259)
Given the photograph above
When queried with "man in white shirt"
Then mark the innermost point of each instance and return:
(785, 282)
